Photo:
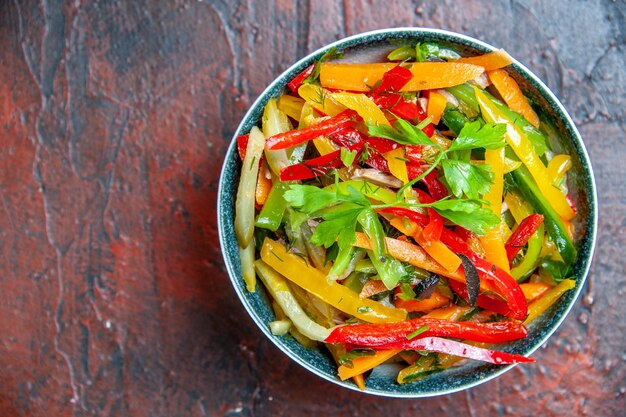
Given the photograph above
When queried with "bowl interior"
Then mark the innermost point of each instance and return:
(375, 45)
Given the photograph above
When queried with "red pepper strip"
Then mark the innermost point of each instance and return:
(464, 233)
(429, 129)
(414, 216)
(451, 347)
(348, 138)
(384, 334)
(311, 168)
(414, 153)
(520, 236)
(382, 145)
(489, 302)
(297, 81)
(436, 189)
(393, 80)
(433, 229)
(346, 118)
(242, 144)
(571, 204)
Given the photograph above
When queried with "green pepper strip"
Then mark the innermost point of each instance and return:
(531, 257)
(465, 93)
(273, 210)
(553, 223)
(342, 261)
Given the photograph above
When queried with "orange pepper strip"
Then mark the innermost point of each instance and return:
(513, 96)
(359, 381)
(365, 363)
(448, 313)
(434, 301)
(437, 250)
(426, 75)
(533, 290)
(436, 105)
(489, 61)
(263, 185)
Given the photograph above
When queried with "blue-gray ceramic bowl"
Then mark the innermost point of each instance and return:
(382, 381)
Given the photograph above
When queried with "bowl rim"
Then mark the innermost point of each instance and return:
(386, 35)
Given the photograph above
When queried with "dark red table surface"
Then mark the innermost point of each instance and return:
(114, 120)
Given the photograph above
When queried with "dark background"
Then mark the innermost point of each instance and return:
(114, 120)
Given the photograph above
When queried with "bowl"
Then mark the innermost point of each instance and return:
(382, 380)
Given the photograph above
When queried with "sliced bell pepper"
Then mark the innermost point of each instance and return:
(537, 307)
(320, 99)
(298, 79)
(554, 225)
(294, 137)
(263, 185)
(426, 75)
(531, 257)
(436, 105)
(291, 106)
(432, 231)
(390, 334)
(558, 166)
(512, 95)
(363, 105)
(242, 143)
(349, 138)
(534, 290)
(363, 364)
(527, 228)
(314, 281)
(393, 80)
(492, 241)
(436, 300)
(489, 302)
(525, 151)
(312, 168)
(435, 188)
(271, 215)
(489, 61)
(397, 164)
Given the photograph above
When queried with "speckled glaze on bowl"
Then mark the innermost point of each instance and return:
(382, 381)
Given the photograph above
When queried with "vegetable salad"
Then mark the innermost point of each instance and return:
(408, 211)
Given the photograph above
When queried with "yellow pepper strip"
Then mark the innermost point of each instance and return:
(536, 308)
(525, 151)
(426, 75)
(558, 166)
(435, 248)
(297, 270)
(324, 145)
(492, 241)
(489, 61)
(278, 288)
(363, 105)
(363, 364)
(320, 99)
(520, 208)
(416, 371)
(291, 106)
(511, 165)
(247, 266)
(436, 105)
(534, 290)
(513, 96)
(397, 165)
